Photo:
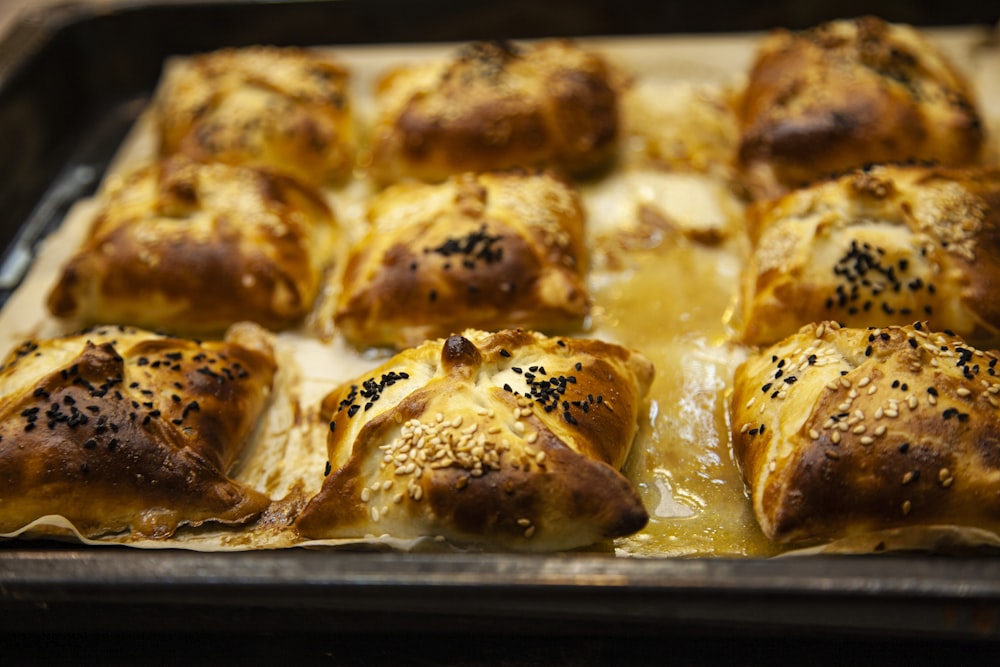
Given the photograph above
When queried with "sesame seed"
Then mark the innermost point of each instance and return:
(906, 507)
(963, 392)
(867, 440)
(366, 494)
(813, 434)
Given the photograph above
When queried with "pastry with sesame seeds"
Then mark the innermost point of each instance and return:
(192, 248)
(497, 105)
(507, 440)
(879, 246)
(119, 430)
(489, 251)
(849, 93)
(284, 109)
(842, 432)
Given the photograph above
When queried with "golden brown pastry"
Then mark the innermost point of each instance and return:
(886, 245)
(849, 93)
(287, 109)
(183, 246)
(485, 251)
(508, 440)
(496, 105)
(119, 429)
(841, 431)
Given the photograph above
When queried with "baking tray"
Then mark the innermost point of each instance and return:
(74, 77)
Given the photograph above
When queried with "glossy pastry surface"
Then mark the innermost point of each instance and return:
(884, 245)
(190, 247)
(488, 251)
(507, 440)
(841, 431)
(496, 105)
(118, 429)
(285, 109)
(850, 93)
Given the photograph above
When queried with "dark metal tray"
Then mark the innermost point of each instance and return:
(73, 78)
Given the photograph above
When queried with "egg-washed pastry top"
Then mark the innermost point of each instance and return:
(488, 251)
(507, 440)
(285, 109)
(843, 431)
(849, 93)
(119, 429)
(188, 247)
(496, 105)
(883, 245)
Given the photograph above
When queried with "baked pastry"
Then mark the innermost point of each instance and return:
(496, 105)
(885, 245)
(486, 251)
(183, 246)
(839, 431)
(286, 109)
(508, 440)
(849, 93)
(119, 429)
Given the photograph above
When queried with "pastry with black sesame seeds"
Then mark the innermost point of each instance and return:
(849, 93)
(842, 432)
(489, 251)
(879, 246)
(191, 248)
(507, 440)
(121, 431)
(284, 109)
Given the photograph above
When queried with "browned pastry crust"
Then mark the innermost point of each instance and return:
(183, 246)
(485, 251)
(886, 245)
(496, 105)
(283, 108)
(850, 93)
(119, 429)
(509, 440)
(841, 431)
